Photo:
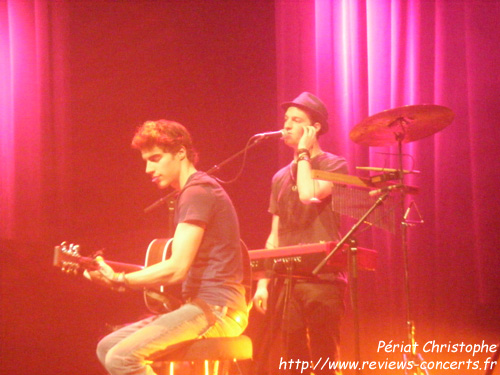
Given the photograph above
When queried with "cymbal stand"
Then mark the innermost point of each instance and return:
(410, 324)
(407, 123)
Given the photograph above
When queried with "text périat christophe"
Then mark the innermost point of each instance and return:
(433, 347)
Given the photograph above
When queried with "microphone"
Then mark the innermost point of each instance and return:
(270, 135)
(374, 193)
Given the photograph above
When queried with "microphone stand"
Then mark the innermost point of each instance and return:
(353, 270)
(167, 198)
(214, 169)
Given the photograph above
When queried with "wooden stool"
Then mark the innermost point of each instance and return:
(206, 355)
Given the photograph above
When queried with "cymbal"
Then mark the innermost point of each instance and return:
(406, 124)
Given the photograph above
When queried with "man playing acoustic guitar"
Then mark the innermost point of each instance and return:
(206, 257)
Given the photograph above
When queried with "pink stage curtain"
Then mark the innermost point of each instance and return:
(30, 111)
(364, 57)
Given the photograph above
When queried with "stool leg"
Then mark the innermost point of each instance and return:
(169, 368)
(211, 367)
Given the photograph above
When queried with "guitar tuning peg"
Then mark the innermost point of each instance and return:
(72, 249)
(69, 268)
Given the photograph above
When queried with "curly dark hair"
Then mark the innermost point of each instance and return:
(170, 136)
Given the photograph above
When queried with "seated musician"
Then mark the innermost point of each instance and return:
(206, 257)
(302, 214)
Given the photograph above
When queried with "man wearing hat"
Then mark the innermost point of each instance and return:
(302, 214)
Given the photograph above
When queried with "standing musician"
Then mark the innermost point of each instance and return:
(302, 214)
(206, 257)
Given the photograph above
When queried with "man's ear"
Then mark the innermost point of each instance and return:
(317, 126)
(181, 154)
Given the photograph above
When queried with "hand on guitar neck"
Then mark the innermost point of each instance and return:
(105, 275)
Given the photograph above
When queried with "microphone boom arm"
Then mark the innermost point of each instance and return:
(256, 140)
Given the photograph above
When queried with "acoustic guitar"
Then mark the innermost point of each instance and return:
(67, 257)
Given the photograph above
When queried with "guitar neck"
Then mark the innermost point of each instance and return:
(65, 259)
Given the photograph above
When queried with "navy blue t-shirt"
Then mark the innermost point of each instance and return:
(304, 223)
(301, 223)
(216, 274)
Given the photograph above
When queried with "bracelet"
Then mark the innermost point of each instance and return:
(304, 156)
(119, 278)
(302, 151)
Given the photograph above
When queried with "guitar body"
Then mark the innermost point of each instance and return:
(67, 257)
(156, 299)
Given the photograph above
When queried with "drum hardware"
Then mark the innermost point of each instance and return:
(390, 128)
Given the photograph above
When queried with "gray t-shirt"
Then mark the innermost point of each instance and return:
(217, 272)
